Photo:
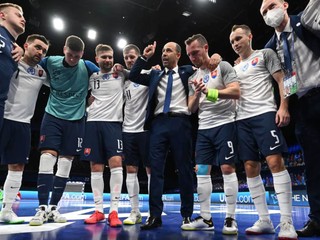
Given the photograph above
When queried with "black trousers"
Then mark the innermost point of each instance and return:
(308, 134)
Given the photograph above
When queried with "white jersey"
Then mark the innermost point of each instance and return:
(23, 92)
(107, 90)
(136, 100)
(255, 76)
(222, 111)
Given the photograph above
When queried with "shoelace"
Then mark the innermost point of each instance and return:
(229, 222)
(284, 226)
(258, 222)
(133, 215)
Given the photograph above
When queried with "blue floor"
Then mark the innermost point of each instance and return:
(76, 211)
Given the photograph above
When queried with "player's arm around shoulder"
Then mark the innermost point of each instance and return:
(91, 67)
(136, 75)
(230, 78)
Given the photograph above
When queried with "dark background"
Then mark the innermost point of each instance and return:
(141, 22)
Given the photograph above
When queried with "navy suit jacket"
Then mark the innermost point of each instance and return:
(152, 80)
(309, 39)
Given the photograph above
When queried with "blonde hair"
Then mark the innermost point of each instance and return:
(6, 5)
(103, 47)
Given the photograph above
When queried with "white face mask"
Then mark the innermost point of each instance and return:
(274, 17)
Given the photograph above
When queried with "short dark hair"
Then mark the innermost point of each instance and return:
(6, 5)
(199, 37)
(130, 47)
(33, 37)
(246, 28)
(75, 43)
(103, 47)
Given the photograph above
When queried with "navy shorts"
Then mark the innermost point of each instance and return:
(217, 146)
(62, 136)
(258, 136)
(102, 141)
(136, 148)
(15, 142)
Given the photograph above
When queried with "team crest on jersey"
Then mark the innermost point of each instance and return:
(40, 73)
(206, 78)
(245, 67)
(115, 75)
(31, 71)
(136, 85)
(105, 76)
(214, 74)
(254, 61)
(87, 151)
(42, 138)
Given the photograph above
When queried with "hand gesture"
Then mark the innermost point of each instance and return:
(237, 61)
(117, 68)
(17, 52)
(156, 67)
(199, 87)
(214, 61)
(149, 50)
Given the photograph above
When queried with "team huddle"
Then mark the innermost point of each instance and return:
(138, 113)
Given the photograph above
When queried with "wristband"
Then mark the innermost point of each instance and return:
(212, 95)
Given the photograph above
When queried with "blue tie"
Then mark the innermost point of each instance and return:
(167, 100)
(286, 51)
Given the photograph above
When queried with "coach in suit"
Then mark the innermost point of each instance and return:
(168, 120)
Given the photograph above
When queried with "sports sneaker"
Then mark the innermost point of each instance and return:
(96, 217)
(113, 219)
(8, 216)
(261, 227)
(18, 197)
(40, 217)
(134, 218)
(199, 223)
(230, 226)
(186, 220)
(55, 216)
(287, 231)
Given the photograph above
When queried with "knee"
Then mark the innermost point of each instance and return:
(115, 162)
(252, 168)
(131, 169)
(227, 169)
(275, 163)
(18, 167)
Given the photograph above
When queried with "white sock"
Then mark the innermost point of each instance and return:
(230, 185)
(97, 186)
(133, 190)
(11, 188)
(258, 195)
(283, 189)
(116, 180)
(149, 177)
(204, 190)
